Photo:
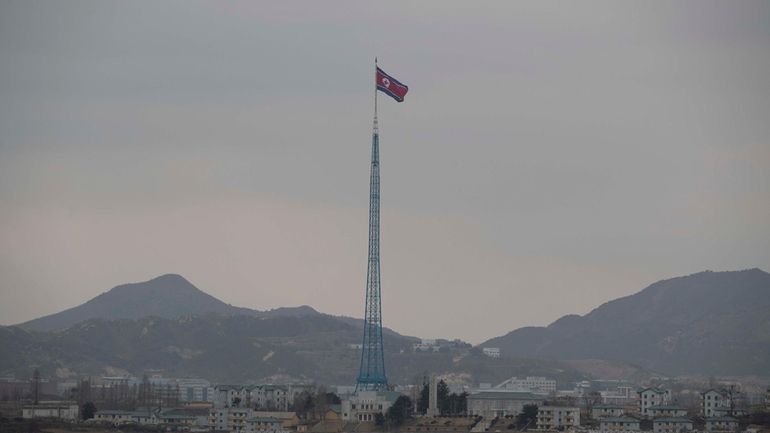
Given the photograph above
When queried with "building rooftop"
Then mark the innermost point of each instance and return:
(672, 419)
(655, 390)
(721, 419)
(665, 407)
(608, 406)
(124, 412)
(505, 395)
(265, 420)
(619, 419)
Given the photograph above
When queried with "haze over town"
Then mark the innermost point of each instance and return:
(549, 157)
(404, 217)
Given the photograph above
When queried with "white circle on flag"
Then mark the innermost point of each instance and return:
(386, 82)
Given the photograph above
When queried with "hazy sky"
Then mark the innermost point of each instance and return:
(550, 156)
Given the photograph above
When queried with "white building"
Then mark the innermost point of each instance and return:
(272, 397)
(649, 397)
(666, 411)
(671, 425)
(716, 403)
(232, 419)
(492, 352)
(118, 417)
(618, 424)
(229, 395)
(195, 390)
(622, 395)
(365, 405)
(51, 409)
(264, 425)
(493, 403)
(607, 411)
(535, 384)
(426, 345)
(557, 418)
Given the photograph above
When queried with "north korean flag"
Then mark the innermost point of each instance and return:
(390, 86)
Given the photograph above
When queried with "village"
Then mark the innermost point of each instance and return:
(533, 403)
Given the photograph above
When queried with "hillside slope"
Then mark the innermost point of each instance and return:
(167, 296)
(243, 349)
(709, 323)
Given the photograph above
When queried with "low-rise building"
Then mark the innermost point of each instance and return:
(607, 410)
(263, 425)
(666, 411)
(230, 419)
(557, 417)
(195, 390)
(649, 397)
(721, 424)
(535, 384)
(289, 420)
(618, 424)
(365, 405)
(118, 417)
(492, 404)
(51, 409)
(226, 396)
(184, 417)
(671, 425)
(492, 352)
(716, 403)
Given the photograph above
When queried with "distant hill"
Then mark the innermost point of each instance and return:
(167, 296)
(708, 323)
(242, 349)
(223, 348)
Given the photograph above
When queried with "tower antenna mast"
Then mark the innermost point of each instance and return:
(371, 375)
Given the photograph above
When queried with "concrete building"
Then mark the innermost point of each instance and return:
(232, 419)
(271, 397)
(365, 405)
(264, 425)
(230, 395)
(607, 411)
(182, 417)
(618, 424)
(622, 395)
(51, 409)
(491, 404)
(492, 352)
(535, 384)
(666, 411)
(649, 397)
(557, 417)
(716, 403)
(289, 420)
(119, 417)
(671, 425)
(721, 424)
(191, 390)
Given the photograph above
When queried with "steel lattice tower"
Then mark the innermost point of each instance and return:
(371, 375)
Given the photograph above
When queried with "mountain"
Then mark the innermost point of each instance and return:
(167, 296)
(223, 348)
(169, 325)
(243, 349)
(707, 323)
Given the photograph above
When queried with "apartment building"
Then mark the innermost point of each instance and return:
(557, 417)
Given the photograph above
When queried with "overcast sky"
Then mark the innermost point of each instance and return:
(549, 157)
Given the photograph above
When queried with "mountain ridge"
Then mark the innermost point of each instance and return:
(172, 296)
(675, 325)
